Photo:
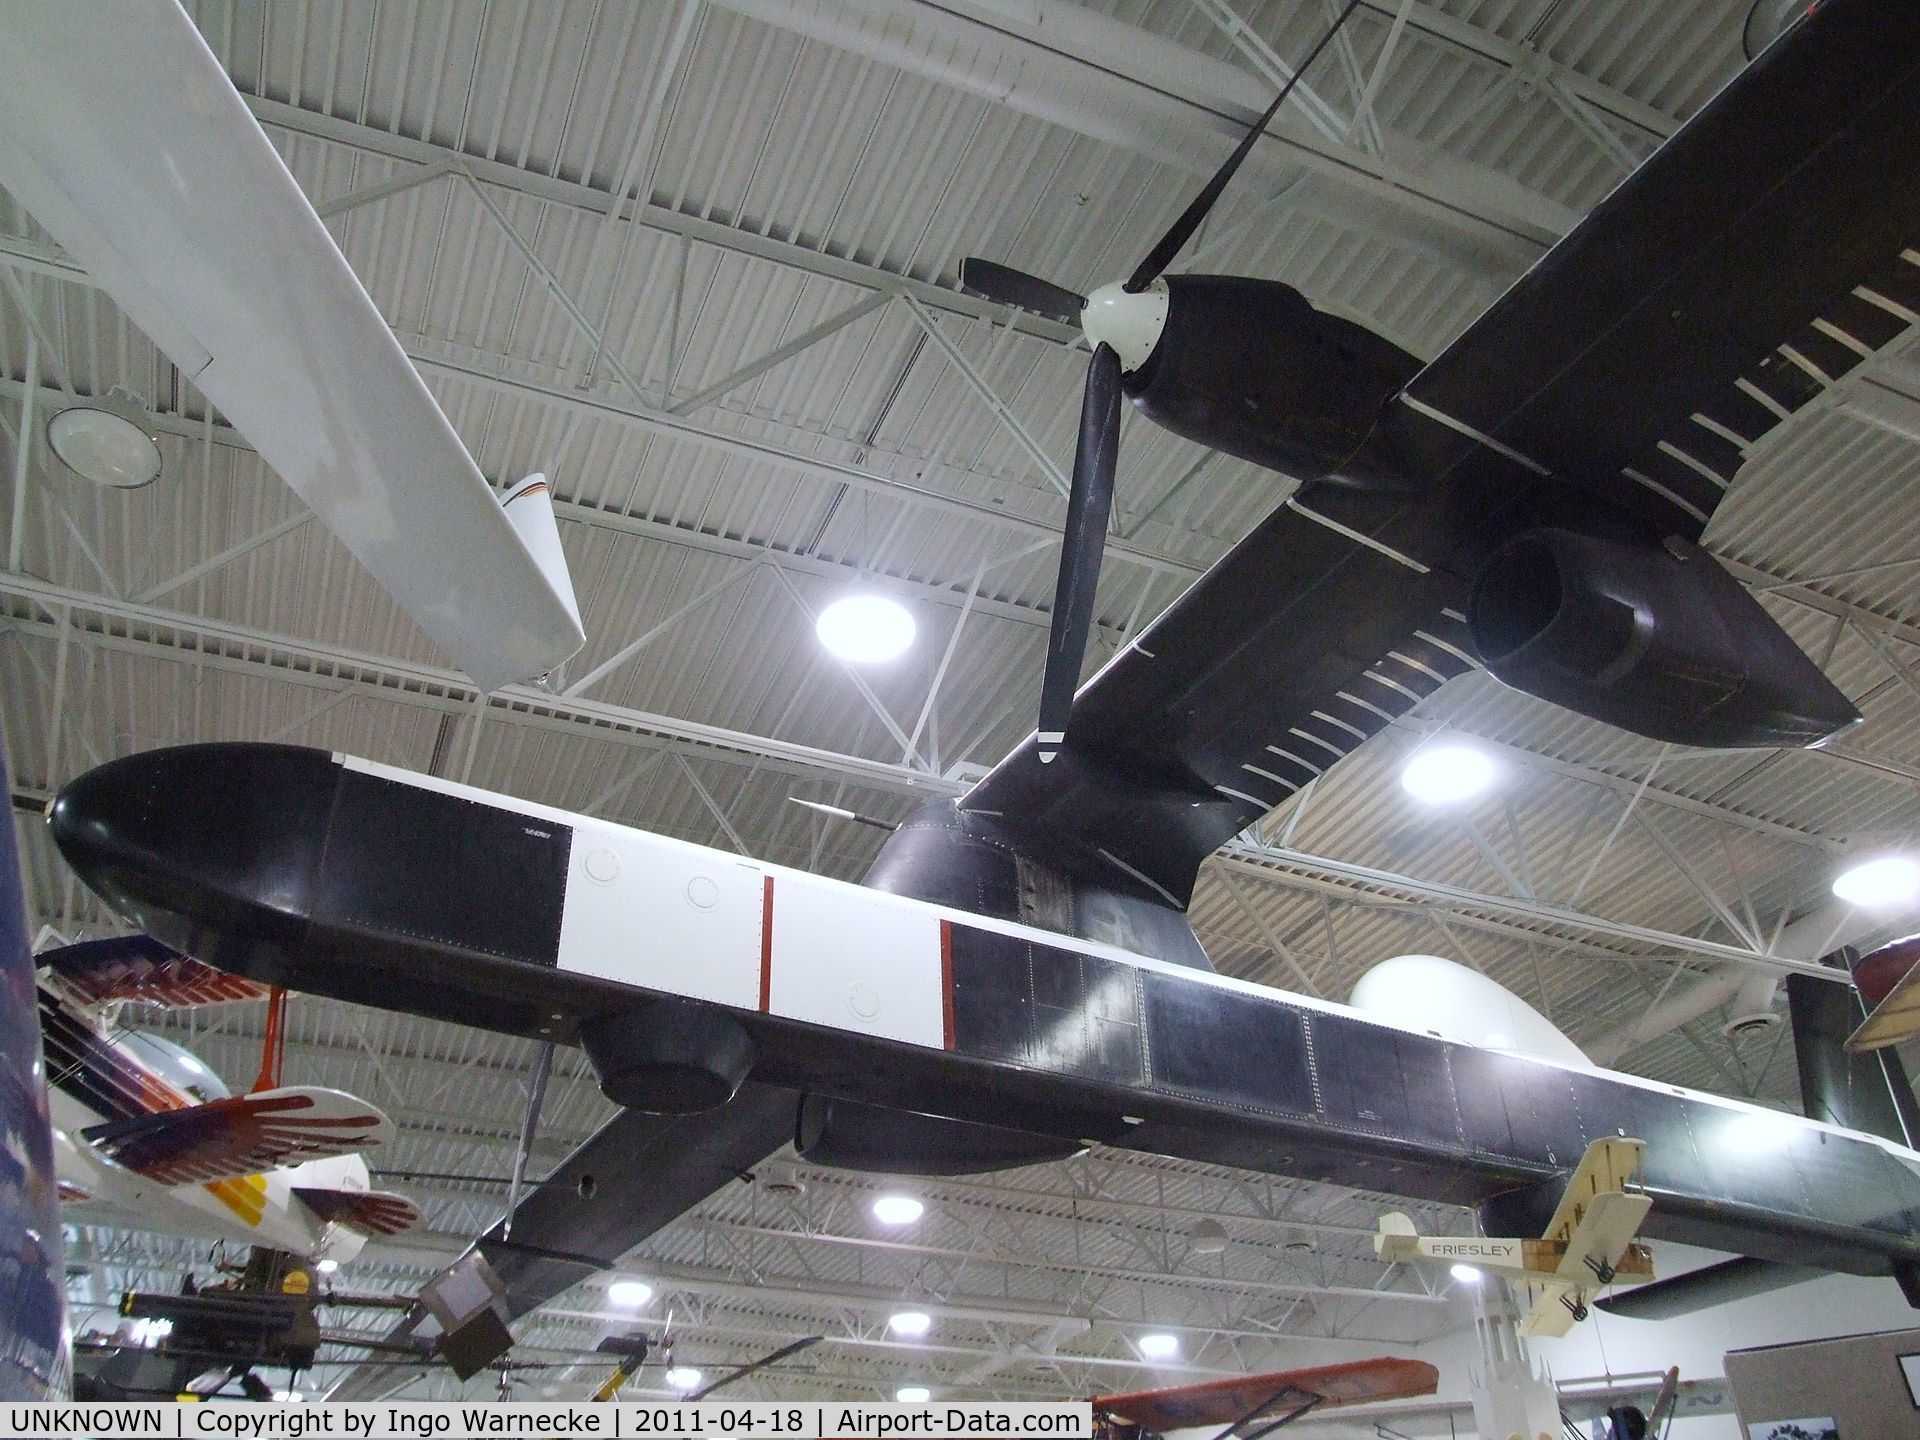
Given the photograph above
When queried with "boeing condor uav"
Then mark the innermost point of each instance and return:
(1017, 977)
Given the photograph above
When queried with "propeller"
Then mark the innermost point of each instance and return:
(1123, 323)
(993, 281)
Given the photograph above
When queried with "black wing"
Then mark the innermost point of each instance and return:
(645, 1172)
(1753, 259)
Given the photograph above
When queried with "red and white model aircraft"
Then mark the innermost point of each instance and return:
(143, 1128)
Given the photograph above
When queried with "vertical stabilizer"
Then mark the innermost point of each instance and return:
(1867, 1091)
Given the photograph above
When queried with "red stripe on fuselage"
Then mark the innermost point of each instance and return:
(946, 984)
(766, 946)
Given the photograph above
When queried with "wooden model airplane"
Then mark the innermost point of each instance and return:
(1587, 1245)
(1258, 1404)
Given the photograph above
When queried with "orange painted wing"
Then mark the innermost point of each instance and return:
(138, 967)
(1230, 1402)
(371, 1212)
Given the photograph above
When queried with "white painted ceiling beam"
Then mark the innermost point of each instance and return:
(1128, 87)
(278, 115)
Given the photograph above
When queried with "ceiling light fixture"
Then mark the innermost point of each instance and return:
(1208, 1237)
(1466, 1274)
(910, 1323)
(1446, 774)
(327, 1267)
(865, 629)
(683, 1377)
(1882, 881)
(1159, 1347)
(913, 1394)
(104, 445)
(629, 1294)
(897, 1210)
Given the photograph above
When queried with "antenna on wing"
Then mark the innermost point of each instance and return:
(839, 814)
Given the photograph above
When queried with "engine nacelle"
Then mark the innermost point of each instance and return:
(1659, 640)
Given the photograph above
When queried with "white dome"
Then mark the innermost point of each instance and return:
(1437, 996)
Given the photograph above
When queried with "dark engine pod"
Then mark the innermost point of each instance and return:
(1659, 640)
(847, 1135)
(1249, 367)
(672, 1057)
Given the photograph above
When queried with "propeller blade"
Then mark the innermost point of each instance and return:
(765, 1360)
(1170, 245)
(1083, 546)
(1023, 291)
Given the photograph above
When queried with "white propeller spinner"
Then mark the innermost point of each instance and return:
(1130, 322)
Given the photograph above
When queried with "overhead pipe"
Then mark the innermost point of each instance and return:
(1819, 932)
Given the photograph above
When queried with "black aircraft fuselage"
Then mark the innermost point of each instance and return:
(368, 884)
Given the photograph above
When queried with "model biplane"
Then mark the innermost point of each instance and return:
(1587, 1245)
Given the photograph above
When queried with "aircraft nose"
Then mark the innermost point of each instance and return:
(102, 820)
(168, 836)
(1129, 321)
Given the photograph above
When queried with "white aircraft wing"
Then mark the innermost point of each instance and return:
(122, 134)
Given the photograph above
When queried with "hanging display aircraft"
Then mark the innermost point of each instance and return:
(122, 134)
(1889, 981)
(1017, 976)
(734, 1006)
(145, 1129)
(1586, 1246)
(1255, 1405)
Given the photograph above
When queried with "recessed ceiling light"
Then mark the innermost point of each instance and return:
(1883, 880)
(897, 1209)
(1466, 1274)
(911, 1323)
(913, 1394)
(104, 447)
(629, 1293)
(1159, 1347)
(288, 1397)
(1446, 774)
(327, 1267)
(865, 629)
(683, 1377)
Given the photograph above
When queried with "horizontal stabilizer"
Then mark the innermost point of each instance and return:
(1720, 1284)
(138, 967)
(1237, 1402)
(246, 1135)
(370, 1212)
